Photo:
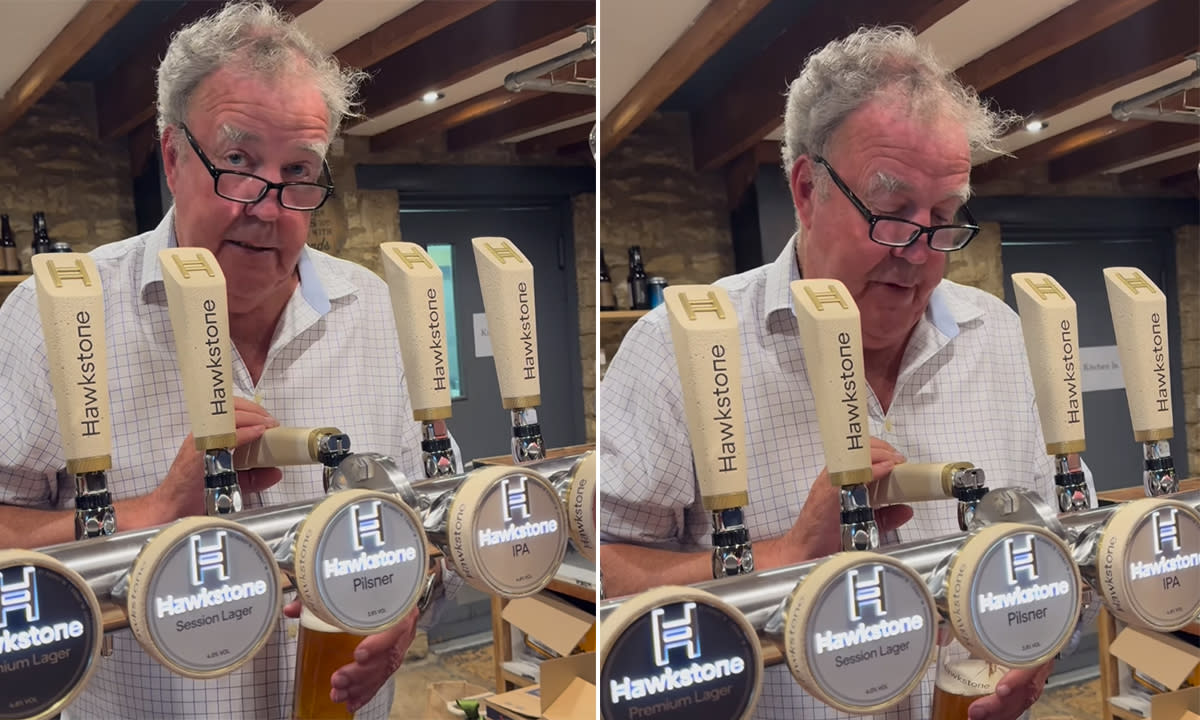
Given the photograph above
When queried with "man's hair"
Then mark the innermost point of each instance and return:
(257, 38)
(873, 62)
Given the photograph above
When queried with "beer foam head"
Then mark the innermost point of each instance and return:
(309, 621)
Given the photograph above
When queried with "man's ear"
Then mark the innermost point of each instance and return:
(803, 189)
(170, 155)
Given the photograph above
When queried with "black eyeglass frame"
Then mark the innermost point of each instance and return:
(268, 186)
(919, 230)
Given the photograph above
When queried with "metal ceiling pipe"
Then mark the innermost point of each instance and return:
(1176, 116)
(1135, 107)
(530, 78)
(758, 595)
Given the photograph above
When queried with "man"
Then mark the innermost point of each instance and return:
(247, 106)
(878, 152)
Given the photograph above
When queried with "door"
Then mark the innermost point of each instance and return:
(480, 424)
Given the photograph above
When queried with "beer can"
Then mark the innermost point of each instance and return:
(655, 287)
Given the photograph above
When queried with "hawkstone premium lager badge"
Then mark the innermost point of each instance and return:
(50, 630)
(204, 596)
(1013, 593)
(361, 560)
(859, 632)
(678, 652)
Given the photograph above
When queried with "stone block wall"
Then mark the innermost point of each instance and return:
(1187, 266)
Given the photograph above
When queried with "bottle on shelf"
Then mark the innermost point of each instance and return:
(639, 294)
(10, 264)
(41, 236)
(608, 301)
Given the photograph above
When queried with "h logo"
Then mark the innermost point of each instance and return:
(831, 296)
(1165, 531)
(866, 591)
(206, 558)
(411, 258)
(1045, 288)
(196, 264)
(682, 632)
(503, 253)
(74, 271)
(695, 306)
(1136, 282)
(516, 498)
(19, 596)
(1022, 560)
(365, 525)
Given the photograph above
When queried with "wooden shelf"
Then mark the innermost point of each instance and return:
(621, 315)
(1136, 493)
(1118, 712)
(8, 282)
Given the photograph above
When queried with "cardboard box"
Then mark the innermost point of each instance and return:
(554, 623)
(520, 704)
(567, 692)
(1179, 705)
(1164, 658)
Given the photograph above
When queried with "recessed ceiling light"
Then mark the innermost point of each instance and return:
(1037, 125)
(432, 97)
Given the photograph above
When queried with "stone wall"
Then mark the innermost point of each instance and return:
(1187, 265)
(979, 264)
(52, 161)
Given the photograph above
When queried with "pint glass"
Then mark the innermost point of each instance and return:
(321, 650)
(962, 678)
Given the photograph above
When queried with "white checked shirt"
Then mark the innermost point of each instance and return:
(335, 360)
(964, 393)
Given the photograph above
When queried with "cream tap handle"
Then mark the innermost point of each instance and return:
(917, 482)
(418, 304)
(199, 313)
(1050, 327)
(71, 304)
(506, 280)
(831, 334)
(704, 331)
(282, 446)
(1139, 314)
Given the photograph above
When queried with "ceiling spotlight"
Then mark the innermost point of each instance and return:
(1037, 125)
(432, 97)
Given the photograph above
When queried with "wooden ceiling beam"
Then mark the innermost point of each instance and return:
(76, 38)
(1161, 170)
(496, 34)
(453, 116)
(1146, 42)
(407, 28)
(1153, 139)
(556, 140)
(719, 21)
(546, 110)
(752, 103)
(1096, 131)
(1058, 32)
(125, 99)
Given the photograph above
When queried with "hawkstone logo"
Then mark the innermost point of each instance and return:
(20, 598)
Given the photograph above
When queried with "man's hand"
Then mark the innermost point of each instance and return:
(181, 493)
(376, 658)
(1015, 693)
(817, 531)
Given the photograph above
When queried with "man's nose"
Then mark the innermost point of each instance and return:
(267, 209)
(916, 252)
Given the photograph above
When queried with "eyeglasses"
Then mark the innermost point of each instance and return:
(898, 232)
(249, 189)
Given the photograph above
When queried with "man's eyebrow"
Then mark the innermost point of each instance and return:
(236, 135)
(882, 182)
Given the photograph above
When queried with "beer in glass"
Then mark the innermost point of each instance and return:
(962, 678)
(321, 650)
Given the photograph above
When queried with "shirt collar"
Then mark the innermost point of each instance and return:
(780, 275)
(316, 291)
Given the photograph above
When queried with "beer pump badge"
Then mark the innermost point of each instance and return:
(508, 531)
(1014, 594)
(204, 596)
(678, 652)
(1148, 563)
(860, 631)
(50, 631)
(361, 560)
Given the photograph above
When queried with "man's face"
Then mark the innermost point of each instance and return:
(276, 130)
(897, 166)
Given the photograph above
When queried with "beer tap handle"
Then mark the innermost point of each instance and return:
(283, 446)
(831, 335)
(704, 332)
(1050, 327)
(922, 482)
(71, 306)
(506, 282)
(199, 312)
(1139, 314)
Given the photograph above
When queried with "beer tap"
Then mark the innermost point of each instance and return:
(506, 281)
(199, 314)
(704, 332)
(284, 446)
(418, 304)
(71, 305)
(1050, 328)
(1139, 314)
(921, 482)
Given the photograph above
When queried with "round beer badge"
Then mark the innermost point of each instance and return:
(678, 652)
(507, 530)
(50, 631)
(860, 631)
(361, 560)
(1148, 564)
(204, 596)
(1013, 593)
